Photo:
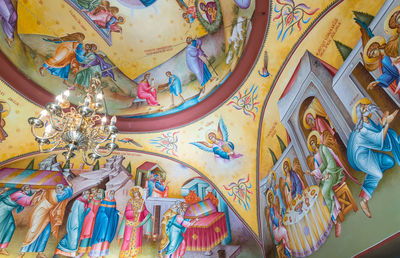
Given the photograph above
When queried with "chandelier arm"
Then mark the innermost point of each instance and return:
(51, 149)
(103, 140)
(96, 151)
(42, 138)
(86, 160)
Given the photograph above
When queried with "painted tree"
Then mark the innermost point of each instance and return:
(129, 168)
(344, 50)
(273, 156)
(96, 165)
(31, 164)
(364, 17)
(67, 166)
(282, 145)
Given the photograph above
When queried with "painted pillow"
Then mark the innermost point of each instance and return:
(200, 209)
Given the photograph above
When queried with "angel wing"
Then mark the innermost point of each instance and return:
(222, 131)
(299, 171)
(310, 162)
(182, 5)
(266, 213)
(205, 146)
(329, 140)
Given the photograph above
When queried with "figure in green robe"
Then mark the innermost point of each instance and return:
(328, 169)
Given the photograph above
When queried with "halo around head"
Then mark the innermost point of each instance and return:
(273, 175)
(389, 31)
(210, 132)
(270, 193)
(309, 111)
(377, 39)
(137, 189)
(354, 112)
(283, 163)
(316, 134)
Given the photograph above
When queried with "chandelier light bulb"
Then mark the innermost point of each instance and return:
(113, 120)
(48, 129)
(59, 99)
(103, 120)
(43, 114)
(99, 96)
(66, 93)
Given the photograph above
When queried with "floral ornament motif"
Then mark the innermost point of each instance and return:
(167, 143)
(240, 191)
(289, 15)
(246, 101)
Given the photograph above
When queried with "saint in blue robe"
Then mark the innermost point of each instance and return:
(195, 64)
(389, 73)
(363, 155)
(148, 2)
(176, 86)
(69, 244)
(7, 223)
(297, 185)
(105, 228)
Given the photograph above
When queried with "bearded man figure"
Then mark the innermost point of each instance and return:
(175, 228)
(365, 146)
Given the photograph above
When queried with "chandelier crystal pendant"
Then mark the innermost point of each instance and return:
(76, 129)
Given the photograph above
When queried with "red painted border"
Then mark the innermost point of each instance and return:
(16, 78)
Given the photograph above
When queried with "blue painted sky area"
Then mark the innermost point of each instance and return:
(187, 104)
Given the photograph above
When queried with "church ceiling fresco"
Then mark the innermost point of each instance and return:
(254, 140)
(154, 60)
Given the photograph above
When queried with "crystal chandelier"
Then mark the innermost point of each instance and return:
(75, 129)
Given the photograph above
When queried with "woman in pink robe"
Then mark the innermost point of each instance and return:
(145, 91)
(136, 215)
(106, 18)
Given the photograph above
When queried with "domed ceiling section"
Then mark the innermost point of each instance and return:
(162, 63)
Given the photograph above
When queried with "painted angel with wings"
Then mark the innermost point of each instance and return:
(218, 143)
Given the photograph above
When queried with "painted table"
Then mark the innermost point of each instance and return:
(307, 222)
(206, 233)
